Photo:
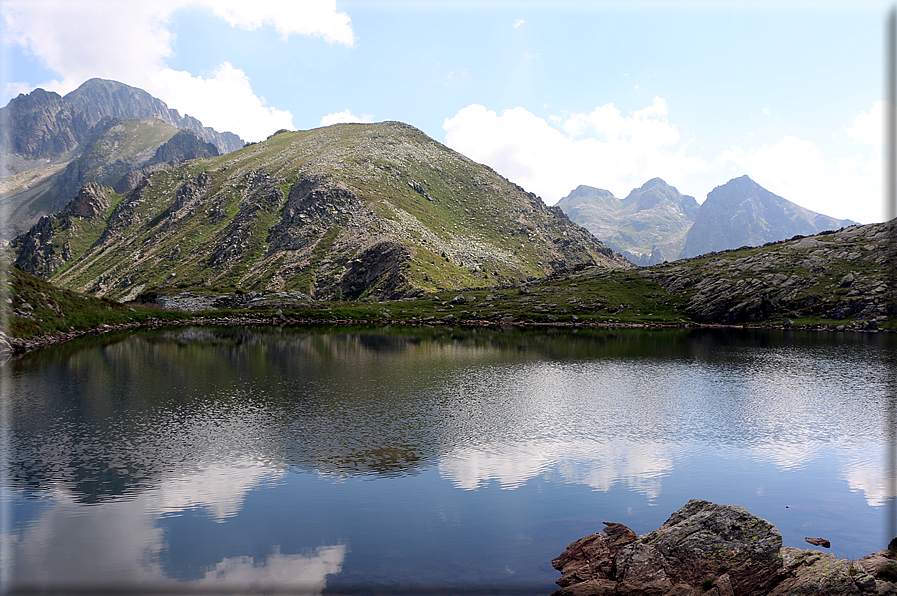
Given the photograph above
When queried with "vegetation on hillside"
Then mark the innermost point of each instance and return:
(834, 281)
(341, 212)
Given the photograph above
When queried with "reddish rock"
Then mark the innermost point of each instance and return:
(819, 542)
(713, 550)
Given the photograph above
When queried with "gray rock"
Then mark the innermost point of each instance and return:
(706, 548)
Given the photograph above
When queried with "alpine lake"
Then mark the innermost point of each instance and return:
(421, 460)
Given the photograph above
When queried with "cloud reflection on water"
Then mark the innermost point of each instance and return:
(600, 465)
(120, 543)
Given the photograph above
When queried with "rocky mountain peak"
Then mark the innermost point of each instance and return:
(98, 98)
(583, 191)
(41, 124)
(647, 227)
(743, 213)
(656, 191)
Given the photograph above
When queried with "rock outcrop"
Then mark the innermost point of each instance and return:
(717, 550)
(92, 200)
(843, 275)
(39, 252)
(183, 146)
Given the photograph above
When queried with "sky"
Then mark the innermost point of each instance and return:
(552, 95)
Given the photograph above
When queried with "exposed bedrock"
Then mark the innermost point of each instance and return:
(719, 550)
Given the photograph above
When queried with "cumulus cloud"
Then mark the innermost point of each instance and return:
(74, 40)
(798, 170)
(301, 17)
(346, 116)
(603, 148)
(619, 152)
(868, 128)
(123, 544)
(600, 466)
(244, 112)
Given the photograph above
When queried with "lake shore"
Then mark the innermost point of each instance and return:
(12, 347)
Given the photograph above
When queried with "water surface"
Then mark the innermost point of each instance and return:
(421, 460)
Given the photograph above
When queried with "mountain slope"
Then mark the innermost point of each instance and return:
(844, 276)
(113, 149)
(743, 213)
(346, 211)
(52, 145)
(648, 226)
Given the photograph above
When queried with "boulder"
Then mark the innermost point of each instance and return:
(719, 550)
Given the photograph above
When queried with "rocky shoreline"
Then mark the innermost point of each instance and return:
(13, 347)
(715, 550)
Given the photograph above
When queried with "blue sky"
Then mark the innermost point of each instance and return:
(550, 94)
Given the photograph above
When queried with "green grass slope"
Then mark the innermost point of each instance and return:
(342, 212)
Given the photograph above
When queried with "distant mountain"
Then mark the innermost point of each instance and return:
(350, 211)
(41, 125)
(648, 226)
(743, 213)
(98, 133)
(98, 98)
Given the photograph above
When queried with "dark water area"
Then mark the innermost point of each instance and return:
(418, 460)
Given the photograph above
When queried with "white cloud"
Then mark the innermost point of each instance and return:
(219, 489)
(121, 544)
(615, 152)
(318, 18)
(518, 23)
(844, 187)
(598, 465)
(346, 116)
(306, 574)
(74, 40)
(872, 479)
(618, 152)
(225, 101)
(868, 128)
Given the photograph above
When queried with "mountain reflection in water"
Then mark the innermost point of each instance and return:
(313, 459)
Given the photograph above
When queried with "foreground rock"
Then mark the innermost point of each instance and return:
(720, 550)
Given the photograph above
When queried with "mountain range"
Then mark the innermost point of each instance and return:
(649, 226)
(97, 133)
(120, 195)
(656, 223)
(349, 211)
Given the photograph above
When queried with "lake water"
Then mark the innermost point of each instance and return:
(419, 460)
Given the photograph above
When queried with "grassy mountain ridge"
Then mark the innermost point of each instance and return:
(340, 212)
(841, 280)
